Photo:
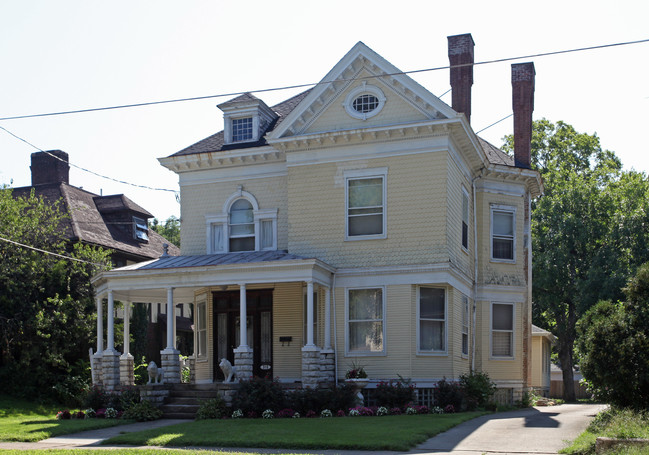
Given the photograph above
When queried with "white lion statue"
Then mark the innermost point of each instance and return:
(228, 370)
(156, 375)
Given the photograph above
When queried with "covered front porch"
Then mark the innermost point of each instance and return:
(267, 312)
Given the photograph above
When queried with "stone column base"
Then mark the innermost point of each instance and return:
(328, 366)
(310, 366)
(96, 369)
(171, 364)
(126, 374)
(243, 363)
(110, 370)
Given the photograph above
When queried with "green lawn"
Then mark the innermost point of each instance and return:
(25, 421)
(612, 424)
(123, 452)
(360, 433)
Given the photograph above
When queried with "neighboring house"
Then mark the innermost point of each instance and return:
(111, 222)
(542, 342)
(556, 383)
(362, 221)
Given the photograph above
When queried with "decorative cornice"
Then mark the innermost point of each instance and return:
(222, 159)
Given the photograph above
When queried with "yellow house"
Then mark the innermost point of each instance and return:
(362, 221)
(542, 342)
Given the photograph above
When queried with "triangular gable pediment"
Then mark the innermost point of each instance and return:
(326, 108)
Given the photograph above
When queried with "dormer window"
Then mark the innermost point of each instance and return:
(242, 129)
(246, 119)
(140, 229)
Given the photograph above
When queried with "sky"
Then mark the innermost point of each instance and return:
(78, 54)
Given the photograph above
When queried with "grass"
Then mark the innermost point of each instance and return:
(25, 421)
(122, 452)
(351, 433)
(622, 424)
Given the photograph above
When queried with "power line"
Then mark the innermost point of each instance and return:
(288, 87)
(84, 169)
(494, 123)
(50, 253)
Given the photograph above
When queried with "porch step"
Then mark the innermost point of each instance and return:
(184, 400)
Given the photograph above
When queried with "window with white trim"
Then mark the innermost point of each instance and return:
(242, 226)
(242, 129)
(315, 317)
(365, 204)
(503, 228)
(201, 330)
(465, 219)
(365, 321)
(465, 325)
(432, 319)
(502, 329)
(364, 101)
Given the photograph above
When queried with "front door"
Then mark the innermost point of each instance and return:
(226, 323)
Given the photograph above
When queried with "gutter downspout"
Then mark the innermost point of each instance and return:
(475, 270)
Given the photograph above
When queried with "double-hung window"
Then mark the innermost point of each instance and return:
(242, 129)
(432, 320)
(502, 330)
(366, 203)
(365, 323)
(503, 228)
(465, 219)
(465, 325)
(201, 329)
(242, 226)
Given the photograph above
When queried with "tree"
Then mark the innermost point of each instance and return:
(46, 301)
(614, 341)
(170, 230)
(586, 232)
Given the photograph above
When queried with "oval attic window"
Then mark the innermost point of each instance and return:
(365, 103)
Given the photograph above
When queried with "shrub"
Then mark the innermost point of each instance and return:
(96, 398)
(477, 388)
(449, 409)
(142, 412)
(307, 399)
(63, 415)
(340, 413)
(286, 413)
(71, 390)
(395, 411)
(253, 397)
(140, 372)
(447, 392)
(79, 415)
(394, 393)
(128, 397)
(211, 409)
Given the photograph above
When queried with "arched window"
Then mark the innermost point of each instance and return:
(242, 226)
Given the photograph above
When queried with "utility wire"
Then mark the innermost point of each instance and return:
(273, 89)
(50, 253)
(87, 170)
(494, 123)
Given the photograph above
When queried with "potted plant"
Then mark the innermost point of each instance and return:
(357, 377)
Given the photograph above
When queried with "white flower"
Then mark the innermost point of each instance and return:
(111, 413)
(268, 414)
(354, 412)
(237, 414)
(382, 411)
(411, 411)
(326, 413)
(437, 410)
(296, 415)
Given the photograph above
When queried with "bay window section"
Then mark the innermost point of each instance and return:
(503, 227)
(432, 320)
(365, 204)
(365, 322)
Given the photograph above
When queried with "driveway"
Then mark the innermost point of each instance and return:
(538, 430)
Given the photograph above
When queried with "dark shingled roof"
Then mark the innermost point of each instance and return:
(214, 259)
(102, 220)
(215, 143)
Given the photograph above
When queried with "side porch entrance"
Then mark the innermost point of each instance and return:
(259, 328)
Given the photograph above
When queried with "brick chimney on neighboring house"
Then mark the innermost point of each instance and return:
(47, 169)
(523, 105)
(460, 52)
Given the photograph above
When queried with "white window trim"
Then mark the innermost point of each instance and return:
(491, 331)
(367, 173)
(349, 353)
(502, 208)
(364, 89)
(205, 357)
(223, 220)
(227, 119)
(432, 352)
(465, 195)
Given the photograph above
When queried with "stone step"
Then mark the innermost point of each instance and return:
(199, 394)
(178, 415)
(179, 409)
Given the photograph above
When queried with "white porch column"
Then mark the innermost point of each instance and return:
(127, 327)
(170, 357)
(309, 314)
(126, 363)
(327, 327)
(170, 320)
(243, 319)
(110, 341)
(100, 324)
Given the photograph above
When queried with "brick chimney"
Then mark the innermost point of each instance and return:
(460, 52)
(47, 169)
(523, 105)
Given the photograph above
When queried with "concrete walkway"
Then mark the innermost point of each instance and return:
(542, 430)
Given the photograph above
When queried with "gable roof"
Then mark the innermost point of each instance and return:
(90, 220)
